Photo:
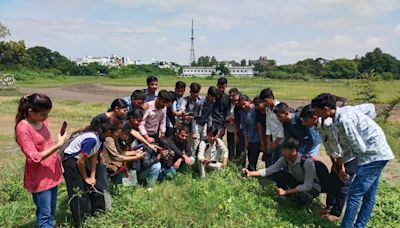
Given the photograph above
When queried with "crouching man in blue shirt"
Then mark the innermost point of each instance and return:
(368, 143)
(301, 181)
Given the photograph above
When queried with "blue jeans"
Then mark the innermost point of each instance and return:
(151, 174)
(364, 186)
(166, 173)
(45, 202)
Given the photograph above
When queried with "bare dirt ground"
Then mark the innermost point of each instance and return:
(95, 93)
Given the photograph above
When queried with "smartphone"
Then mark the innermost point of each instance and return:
(191, 113)
(138, 146)
(62, 130)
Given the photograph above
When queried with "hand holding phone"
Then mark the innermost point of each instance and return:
(63, 128)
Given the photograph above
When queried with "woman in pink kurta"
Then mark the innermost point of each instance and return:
(42, 165)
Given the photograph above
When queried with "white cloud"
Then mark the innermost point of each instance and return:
(288, 45)
(373, 42)
(342, 40)
(397, 29)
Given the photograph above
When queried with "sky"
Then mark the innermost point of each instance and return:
(286, 31)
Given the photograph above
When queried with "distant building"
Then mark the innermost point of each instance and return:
(242, 71)
(112, 61)
(237, 71)
(263, 60)
(198, 71)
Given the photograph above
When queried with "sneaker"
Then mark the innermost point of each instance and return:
(149, 189)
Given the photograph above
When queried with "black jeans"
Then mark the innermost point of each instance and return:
(337, 189)
(253, 151)
(285, 180)
(230, 137)
(89, 198)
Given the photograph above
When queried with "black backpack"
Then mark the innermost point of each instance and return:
(321, 171)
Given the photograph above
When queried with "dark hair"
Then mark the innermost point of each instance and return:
(212, 130)
(126, 127)
(290, 143)
(163, 143)
(183, 128)
(324, 100)
(222, 81)
(244, 97)
(151, 78)
(166, 96)
(266, 93)
(180, 85)
(135, 114)
(138, 95)
(118, 103)
(212, 91)
(195, 87)
(233, 90)
(37, 102)
(307, 112)
(281, 108)
(257, 100)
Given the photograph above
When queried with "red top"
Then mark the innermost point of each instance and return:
(39, 175)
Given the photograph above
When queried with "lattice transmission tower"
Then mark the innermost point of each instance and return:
(192, 57)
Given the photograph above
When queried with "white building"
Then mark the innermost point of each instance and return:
(242, 71)
(112, 61)
(198, 71)
(237, 71)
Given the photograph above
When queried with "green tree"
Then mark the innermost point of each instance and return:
(213, 61)
(222, 69)
(44, 58)
(340, 68)
(310, 66)
(13, 53)
(4, 31)
(380, 62)
(243, 62)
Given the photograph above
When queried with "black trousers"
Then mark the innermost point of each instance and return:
(253, 151)
(230, 137)
(337, 189)
(83, 199)
(240, 148)
(285, 180)
(170, 131)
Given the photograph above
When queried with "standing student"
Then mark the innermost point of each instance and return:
(153, 124)
(203, 117)
(136, 100)
(175, 110)
(213, 154)
(79, 162)
(190, 106)
(221, 107)
(151, 92)
(274, 128)
(42, 165)
(368, 142)
(250, 131)
(231, 129)
(309, 139)
(301, 181)
(261, 128)
(344, 163)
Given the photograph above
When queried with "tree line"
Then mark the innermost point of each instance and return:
(15, 56)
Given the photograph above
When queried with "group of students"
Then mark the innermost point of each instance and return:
(158, 133)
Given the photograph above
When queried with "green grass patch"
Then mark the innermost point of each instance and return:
(223, 199)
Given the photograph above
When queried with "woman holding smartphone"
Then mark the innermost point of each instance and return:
(43, 171)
